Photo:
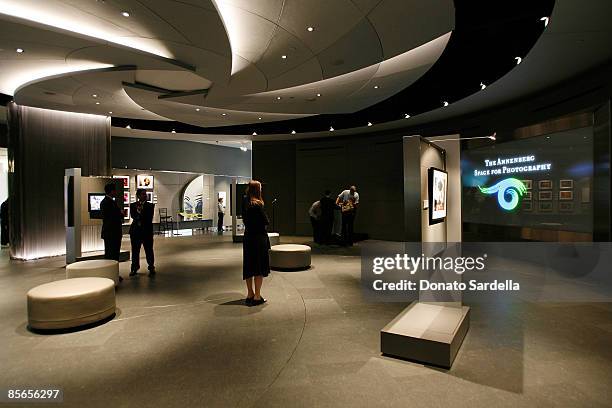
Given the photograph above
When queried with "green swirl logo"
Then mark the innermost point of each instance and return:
(509, 191)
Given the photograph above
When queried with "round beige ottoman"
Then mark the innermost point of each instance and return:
(274, 238)
(96, 268)
(70, 303)
(290, 256)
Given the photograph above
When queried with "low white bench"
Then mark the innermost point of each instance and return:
(274, 238)
(70, 303)
(290, 256)
(95, 268)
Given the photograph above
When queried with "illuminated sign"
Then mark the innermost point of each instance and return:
(511, 165)
(509, 191)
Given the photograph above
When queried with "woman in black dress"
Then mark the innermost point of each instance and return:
(255, 246)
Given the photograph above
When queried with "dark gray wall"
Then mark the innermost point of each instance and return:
(42, 144)
(297, 173)
(602, 219)
(177, 155)
(274, 165)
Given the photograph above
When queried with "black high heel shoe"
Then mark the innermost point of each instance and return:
(256, 302)
(249, 301)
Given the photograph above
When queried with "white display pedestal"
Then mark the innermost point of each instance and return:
(428, 333)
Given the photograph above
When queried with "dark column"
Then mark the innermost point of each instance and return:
(601, 175)
(41, 144)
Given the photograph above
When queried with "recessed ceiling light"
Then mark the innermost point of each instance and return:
(406, 116)
(375, 86)
(283, 56)
(94, 95)
(258, 118)
(445, 103)
(128, 127)
(493, 136)
(110, 112)
(482, 85)
(310, 29)
(254, 133)
(318, 95)
(369, 123)
(293, 132)
(224, 114)
(278, 98)
(19, 50)
(331, 129)
(197, 109)
(125, 14)
(518, 60)
(173, 131)
(97, 103)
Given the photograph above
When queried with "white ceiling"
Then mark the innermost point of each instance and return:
(226, 56)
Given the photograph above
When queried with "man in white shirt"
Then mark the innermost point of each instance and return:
(315, 219)
(348, 200)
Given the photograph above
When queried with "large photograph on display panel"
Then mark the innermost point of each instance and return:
(192, 198)
(541, 182)
(438, 192)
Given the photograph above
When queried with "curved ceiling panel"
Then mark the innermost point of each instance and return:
(278, 60)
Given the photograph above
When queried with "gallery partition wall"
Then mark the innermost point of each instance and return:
(296, 173)
(41, 145)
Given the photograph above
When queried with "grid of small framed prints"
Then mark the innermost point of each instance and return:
(546, 197)
(144, 181)
(527, 203)
(566, 195)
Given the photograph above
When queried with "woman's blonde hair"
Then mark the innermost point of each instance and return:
(254, 193)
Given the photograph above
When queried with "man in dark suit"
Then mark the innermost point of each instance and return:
(141, 231)
(112, 220)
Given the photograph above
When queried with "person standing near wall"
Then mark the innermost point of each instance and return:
(326, 221)
(220, 214)
(315, 219)
(141, 232)
(348, 200)
(255, 245)
(112, 221)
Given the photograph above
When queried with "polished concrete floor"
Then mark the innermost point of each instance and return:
(184, 339)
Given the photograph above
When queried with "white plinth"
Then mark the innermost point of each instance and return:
(428, 333)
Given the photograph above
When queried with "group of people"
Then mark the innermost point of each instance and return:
(256, 243)
(141, 229)
(322, 211)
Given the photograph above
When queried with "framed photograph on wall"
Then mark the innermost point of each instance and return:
(566, 206)
(126, 213)
(126, 181)
(545, 195)
(528, 184)
(546, 206)
(144, 181)
(566, 184)
(566, 195)
(126, 197)
(438, 189)
(527, 205)
(527, 196)
(545, 184)
(150, 196)
(585, 194)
